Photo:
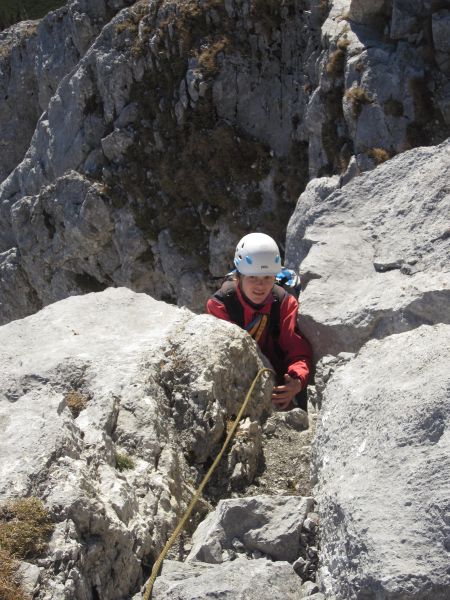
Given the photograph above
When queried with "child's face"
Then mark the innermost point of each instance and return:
(257, 287)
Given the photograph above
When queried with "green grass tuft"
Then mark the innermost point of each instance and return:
(124, 462)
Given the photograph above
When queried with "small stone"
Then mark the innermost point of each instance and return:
(238, 545)
(309, 588)
(309, 525)
(314, 517)
(300, 567)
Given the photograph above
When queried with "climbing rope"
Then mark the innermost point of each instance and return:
(198, 493)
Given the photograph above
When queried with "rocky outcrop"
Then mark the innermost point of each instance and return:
(383, 479)
(373, 254)
(111, 404)
(196, 123)
(34, 57)
(187, 151)
(381, 84)
(255, 547)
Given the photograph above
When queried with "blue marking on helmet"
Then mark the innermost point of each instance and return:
(277, 258)
(248, 260)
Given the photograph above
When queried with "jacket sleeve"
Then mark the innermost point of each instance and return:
(217, 309)
(296, 349)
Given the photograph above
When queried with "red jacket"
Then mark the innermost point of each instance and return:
(293, 355)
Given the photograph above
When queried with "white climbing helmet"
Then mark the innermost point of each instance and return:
(257, 254)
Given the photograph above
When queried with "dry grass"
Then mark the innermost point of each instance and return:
(336, 63)
(358, 97)
(76, 402)
(379, 155)
(127, 25)
(207, 57)
(323, 8)
(10, 588)
(25, 527)
(359, 67)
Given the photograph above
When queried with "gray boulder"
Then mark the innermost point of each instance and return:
(373, 255)
(109, 405)
(267, 524)
(381, 457)
(238, 580)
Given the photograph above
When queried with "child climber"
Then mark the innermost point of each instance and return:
(253, 301)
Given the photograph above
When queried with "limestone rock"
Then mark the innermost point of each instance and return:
(17, 297)
(35, 57)
(17, 78)
(406, 17)
(382, 460)
(238, 580)
(296, 419)
(365, 11)
(29, 576)
(374, 254)
(109, 404)
(169, 188)
(191, 140)
(271, 525)
(441, 30)
(372, 98)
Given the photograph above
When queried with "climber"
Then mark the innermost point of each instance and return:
(251, 299)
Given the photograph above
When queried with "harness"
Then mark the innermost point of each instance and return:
(228, 296)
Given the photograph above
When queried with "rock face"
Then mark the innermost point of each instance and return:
(193, 124)
(374, 257)
(173, 124)
(88, 385)
(374, 253)
(384, 479)
(381, 83)
(34, 58)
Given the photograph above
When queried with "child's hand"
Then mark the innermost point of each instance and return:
(282, 395)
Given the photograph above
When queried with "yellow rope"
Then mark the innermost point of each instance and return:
(181, 524)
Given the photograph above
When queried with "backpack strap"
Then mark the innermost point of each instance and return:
(227, 295)
(279, 294)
